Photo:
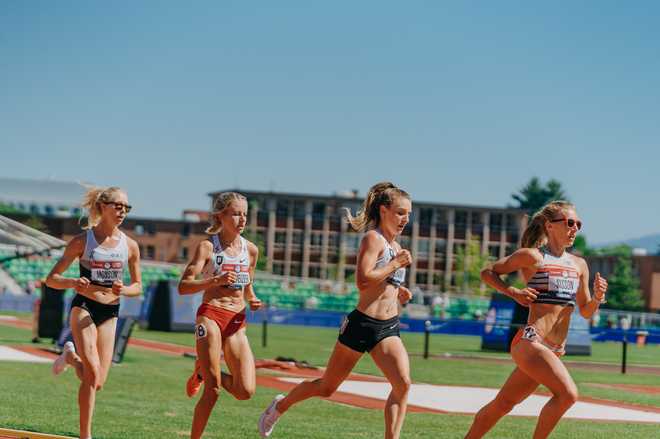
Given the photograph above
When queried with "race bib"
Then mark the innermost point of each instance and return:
(565, 284)
(242, 274)
(107, 271)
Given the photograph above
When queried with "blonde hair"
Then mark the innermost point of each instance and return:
(534, 235)
(221, 202)
(92, 200)
(380, 194)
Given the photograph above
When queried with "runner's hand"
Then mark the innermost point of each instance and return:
(402, 259)
(404, 295)
(117, 287)
(81, 285)
(525, 296)
(228, 278)
(255, 303)
(600, 287)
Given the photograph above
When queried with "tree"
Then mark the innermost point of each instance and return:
(7, 209)
(623, 287)
(581, 247)
(469, 263)
(533, 196)
(261, 245)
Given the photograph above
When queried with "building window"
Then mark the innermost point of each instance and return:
(315, 271)
(184, 253)
(278, 268)
(297, 237)
(422, 247)
(495, 222)
(282, 209)
(333, 240)
(186, 229)
(139, 229)
(421, 278)
(460, 218)
(440, 247)
(352, 242)
(316, 239)
(296, 270)
(280, 237)
(425, 215)
(299, 210)
(151, 252)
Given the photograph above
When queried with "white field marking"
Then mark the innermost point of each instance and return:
(10, 354)
(470, 399)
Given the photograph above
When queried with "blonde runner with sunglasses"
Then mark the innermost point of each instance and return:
(104, 253)
(556, 281)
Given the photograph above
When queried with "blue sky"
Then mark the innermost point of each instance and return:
(454, 101)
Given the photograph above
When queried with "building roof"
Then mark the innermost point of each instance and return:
(31, 240)
(346, 198)
(56, 193)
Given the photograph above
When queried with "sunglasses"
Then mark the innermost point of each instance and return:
(120, 206)
(570, 222)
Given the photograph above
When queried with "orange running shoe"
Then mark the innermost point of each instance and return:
(194, 383)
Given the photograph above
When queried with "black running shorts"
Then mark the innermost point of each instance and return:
(362, 333)
(99, 312)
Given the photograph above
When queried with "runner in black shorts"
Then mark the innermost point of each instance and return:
(374, 325)
(105, 255)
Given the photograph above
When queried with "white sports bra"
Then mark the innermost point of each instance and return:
(222, 263)
(399, 276)
(102, 265)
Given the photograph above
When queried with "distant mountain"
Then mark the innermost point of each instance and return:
(649, 242)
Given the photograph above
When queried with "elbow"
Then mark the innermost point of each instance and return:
(49, 281)
(181, 288)
(361, 283)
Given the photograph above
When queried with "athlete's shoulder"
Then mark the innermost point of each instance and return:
(577, 260)
(79, 240)
(529, 255)
(373, 239)
(251, 247)
(132, 243)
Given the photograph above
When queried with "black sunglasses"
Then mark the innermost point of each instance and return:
(570, 222)
(120, 206)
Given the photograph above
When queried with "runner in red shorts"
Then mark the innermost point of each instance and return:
(226, 262)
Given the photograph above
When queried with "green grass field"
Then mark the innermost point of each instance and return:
(144, 396)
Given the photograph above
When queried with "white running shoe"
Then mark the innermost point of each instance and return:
(269, 417)
(60, 364)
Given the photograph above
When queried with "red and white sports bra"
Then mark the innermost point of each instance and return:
(557, 279)
(222, 263)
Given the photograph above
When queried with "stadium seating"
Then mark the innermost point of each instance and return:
(274, 292)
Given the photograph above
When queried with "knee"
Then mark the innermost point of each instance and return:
(568, 397)
(325, 389)
(92, 375)
(504, 404)
(402, 386)
(244, 394)
(212, 386)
